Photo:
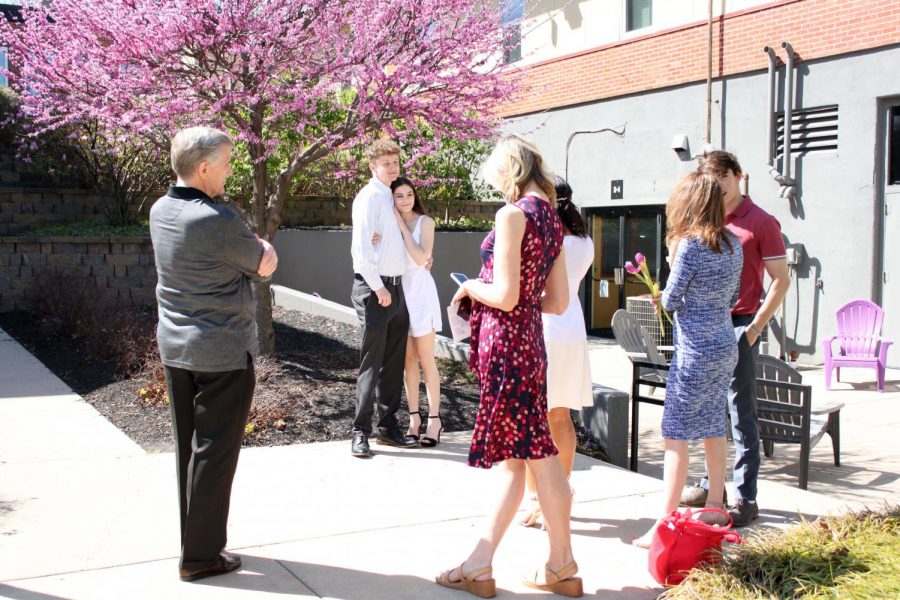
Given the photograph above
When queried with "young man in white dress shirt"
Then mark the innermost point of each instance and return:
(378, 299)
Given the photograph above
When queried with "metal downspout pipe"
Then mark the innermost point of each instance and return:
(770, 104)
(788, 189)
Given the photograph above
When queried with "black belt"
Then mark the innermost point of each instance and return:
(391, 280)
(742, 319)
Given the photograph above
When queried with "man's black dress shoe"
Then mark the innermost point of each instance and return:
(360, 446)
(225, 563)
(396, 439)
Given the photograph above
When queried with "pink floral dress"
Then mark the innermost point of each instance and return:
(508, 349)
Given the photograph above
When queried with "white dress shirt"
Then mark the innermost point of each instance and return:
(373, 212)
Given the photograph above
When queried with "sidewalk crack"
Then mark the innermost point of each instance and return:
(294, 575)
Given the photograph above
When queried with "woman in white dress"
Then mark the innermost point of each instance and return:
(424, 309)
(565, 336)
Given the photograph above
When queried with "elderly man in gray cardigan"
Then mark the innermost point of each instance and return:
(206, 258)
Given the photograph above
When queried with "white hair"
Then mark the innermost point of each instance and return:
(194, 145)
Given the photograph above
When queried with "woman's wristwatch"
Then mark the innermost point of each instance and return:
(755, 330)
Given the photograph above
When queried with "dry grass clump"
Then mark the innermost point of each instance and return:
(68, 304)
(855, 555)
(272, 403)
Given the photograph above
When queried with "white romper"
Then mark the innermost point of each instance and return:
(421, 294)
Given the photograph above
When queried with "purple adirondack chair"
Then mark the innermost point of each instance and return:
(859, 332)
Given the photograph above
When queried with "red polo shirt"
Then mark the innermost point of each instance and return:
(760, 235)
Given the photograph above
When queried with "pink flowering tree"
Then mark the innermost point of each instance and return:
(293, 80)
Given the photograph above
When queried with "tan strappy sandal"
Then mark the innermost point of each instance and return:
(533, 512)
(562, 582)
(482, 589)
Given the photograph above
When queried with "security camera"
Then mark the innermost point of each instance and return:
(680, 143)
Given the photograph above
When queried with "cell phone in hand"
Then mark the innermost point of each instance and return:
(458, 278)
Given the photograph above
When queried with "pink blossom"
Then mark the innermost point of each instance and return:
(639, 258)
(629, 266)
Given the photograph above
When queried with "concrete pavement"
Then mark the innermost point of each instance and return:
(85, 513)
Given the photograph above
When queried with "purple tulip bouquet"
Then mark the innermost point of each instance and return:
(642, 272)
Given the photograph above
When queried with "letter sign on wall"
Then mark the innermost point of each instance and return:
(615, 191)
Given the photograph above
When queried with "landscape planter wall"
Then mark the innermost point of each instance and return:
(122, 268)
(318, 262)
(324, 211)
(22, 209)
(311, 261)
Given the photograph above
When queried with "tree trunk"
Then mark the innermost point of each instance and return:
(262, 291)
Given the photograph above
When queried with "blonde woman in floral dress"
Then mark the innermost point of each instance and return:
(523, 275)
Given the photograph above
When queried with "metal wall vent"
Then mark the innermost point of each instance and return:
(812, 130)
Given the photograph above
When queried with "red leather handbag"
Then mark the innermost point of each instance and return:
(681, 542)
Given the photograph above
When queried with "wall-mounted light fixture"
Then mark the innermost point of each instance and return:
(680, 143)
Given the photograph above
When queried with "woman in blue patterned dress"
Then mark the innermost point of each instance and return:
(703, 286)
(523, 275)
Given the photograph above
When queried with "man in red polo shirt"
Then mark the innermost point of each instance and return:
(764, 252)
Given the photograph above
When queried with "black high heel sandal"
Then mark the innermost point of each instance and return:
(410, 435)
(429, 442)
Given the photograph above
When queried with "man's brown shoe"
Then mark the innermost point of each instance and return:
(225, 563)
(743, 512)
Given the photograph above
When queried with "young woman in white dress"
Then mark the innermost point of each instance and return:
(424, 309)
(565, 336)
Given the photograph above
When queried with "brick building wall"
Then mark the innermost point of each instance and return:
(815, 28)
(121, 268)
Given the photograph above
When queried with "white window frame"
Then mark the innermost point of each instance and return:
(637, 30)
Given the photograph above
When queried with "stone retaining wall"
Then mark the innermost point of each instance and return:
(122, 268)
(21, 209)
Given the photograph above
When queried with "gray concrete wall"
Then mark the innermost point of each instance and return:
(316, 261)
(837, 216)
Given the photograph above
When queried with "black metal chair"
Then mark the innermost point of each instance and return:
(643, 373)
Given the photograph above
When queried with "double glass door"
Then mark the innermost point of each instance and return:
(618, 234)
(890, 221)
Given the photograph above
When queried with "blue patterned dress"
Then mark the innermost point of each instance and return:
(702, 288)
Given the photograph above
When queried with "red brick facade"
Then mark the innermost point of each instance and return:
(815, 28)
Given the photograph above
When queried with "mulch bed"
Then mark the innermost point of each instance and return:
(305, 394)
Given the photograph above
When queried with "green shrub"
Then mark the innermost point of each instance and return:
(8, 110)
(846, 556)
(463, 224)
